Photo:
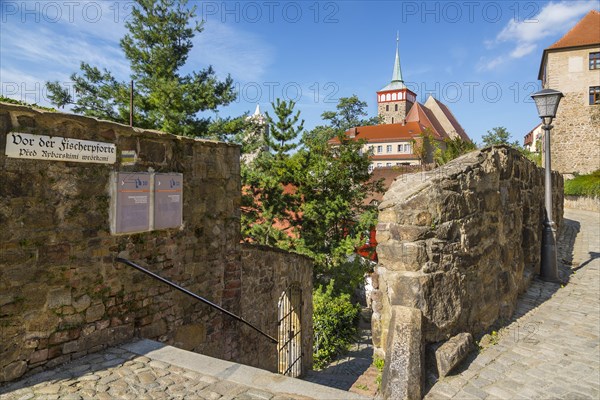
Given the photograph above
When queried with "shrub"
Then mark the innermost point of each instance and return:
(334, 320)
(584, 185)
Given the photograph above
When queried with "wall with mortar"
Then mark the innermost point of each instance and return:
(61, 293)
(266, 274)
(460, 242)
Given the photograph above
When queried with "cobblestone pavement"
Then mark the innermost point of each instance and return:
(551, 350)
(345, 372)
(119, 374)
(354, 370)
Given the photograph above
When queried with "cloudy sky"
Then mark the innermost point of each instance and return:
(481, 58)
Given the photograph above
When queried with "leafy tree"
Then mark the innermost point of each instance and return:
(498, 136)
(157, 47)
(333, 182)
(349, 114)
(453, 148)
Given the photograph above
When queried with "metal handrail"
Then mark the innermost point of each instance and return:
(194, 295)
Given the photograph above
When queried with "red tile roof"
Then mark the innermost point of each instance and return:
(419, 113)
(585, 33)
(386, 132)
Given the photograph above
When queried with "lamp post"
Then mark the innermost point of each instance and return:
(546, 102)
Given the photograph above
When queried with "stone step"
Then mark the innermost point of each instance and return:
(237, 373)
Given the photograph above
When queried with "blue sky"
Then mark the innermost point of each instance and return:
(481, 58)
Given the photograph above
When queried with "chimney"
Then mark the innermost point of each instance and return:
(404, 122)
(352, 133)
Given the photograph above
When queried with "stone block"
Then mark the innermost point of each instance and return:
(453, 352)
(82, 303)
(94, 312)
(14, 370)
(58, 297)
(403, 374)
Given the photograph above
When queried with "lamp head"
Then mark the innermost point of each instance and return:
(546, 102)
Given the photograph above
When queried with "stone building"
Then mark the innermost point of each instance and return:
(398, 140)
(572, 66)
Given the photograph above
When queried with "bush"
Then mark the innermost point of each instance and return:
(334, 321)
(584, 185)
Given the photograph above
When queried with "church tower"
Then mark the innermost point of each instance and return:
(395, 100)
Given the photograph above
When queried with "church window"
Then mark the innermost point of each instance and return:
(595, 60)
(388, 97)
(392, 120)
(387, 107)
(594, 95)
(393, 96)
(396, 107)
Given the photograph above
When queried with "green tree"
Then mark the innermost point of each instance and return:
(157, 47)
(283, 131)
(350, 112)
(333, 183)
(270, 201)
(498, 136)
(453, 148)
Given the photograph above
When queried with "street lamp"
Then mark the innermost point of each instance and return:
(547, 103)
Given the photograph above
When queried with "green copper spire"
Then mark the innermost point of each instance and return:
(397, 82)
(397, 75)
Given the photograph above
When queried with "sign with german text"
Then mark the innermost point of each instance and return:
(54, 148)
(168, 200)
(133, 202)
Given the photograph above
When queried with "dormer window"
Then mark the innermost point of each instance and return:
(595, 60)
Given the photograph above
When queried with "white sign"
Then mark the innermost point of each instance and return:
(40, 147)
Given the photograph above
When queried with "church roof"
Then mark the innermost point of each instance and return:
(433, 117)
(445, 118)
(397, 82)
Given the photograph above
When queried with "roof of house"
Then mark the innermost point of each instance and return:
(385, 132)
(585, 33)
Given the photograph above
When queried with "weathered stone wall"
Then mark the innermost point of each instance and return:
(61, 293)
(460, 242)
(266, 274)
(575, 139)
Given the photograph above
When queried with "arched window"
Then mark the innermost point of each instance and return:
(387, 107)
(396, 107)
(393, 96)
(388, 97)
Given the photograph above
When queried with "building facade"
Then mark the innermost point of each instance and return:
(572, 66)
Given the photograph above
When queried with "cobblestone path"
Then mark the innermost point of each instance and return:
(353, 371)
(551, 350)
(118, 374)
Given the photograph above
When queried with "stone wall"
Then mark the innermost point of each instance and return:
(460, 242)
(62, 295)
(266, 274)
(575, 139)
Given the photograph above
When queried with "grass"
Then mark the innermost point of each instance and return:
(584, 185)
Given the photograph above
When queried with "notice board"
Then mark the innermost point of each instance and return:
(133, 202)
(168, 200)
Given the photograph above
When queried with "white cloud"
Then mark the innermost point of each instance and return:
(525, 35)
(242, 54)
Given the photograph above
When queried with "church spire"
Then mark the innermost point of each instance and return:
(397, 75)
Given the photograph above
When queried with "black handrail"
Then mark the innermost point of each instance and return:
(194, 295)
